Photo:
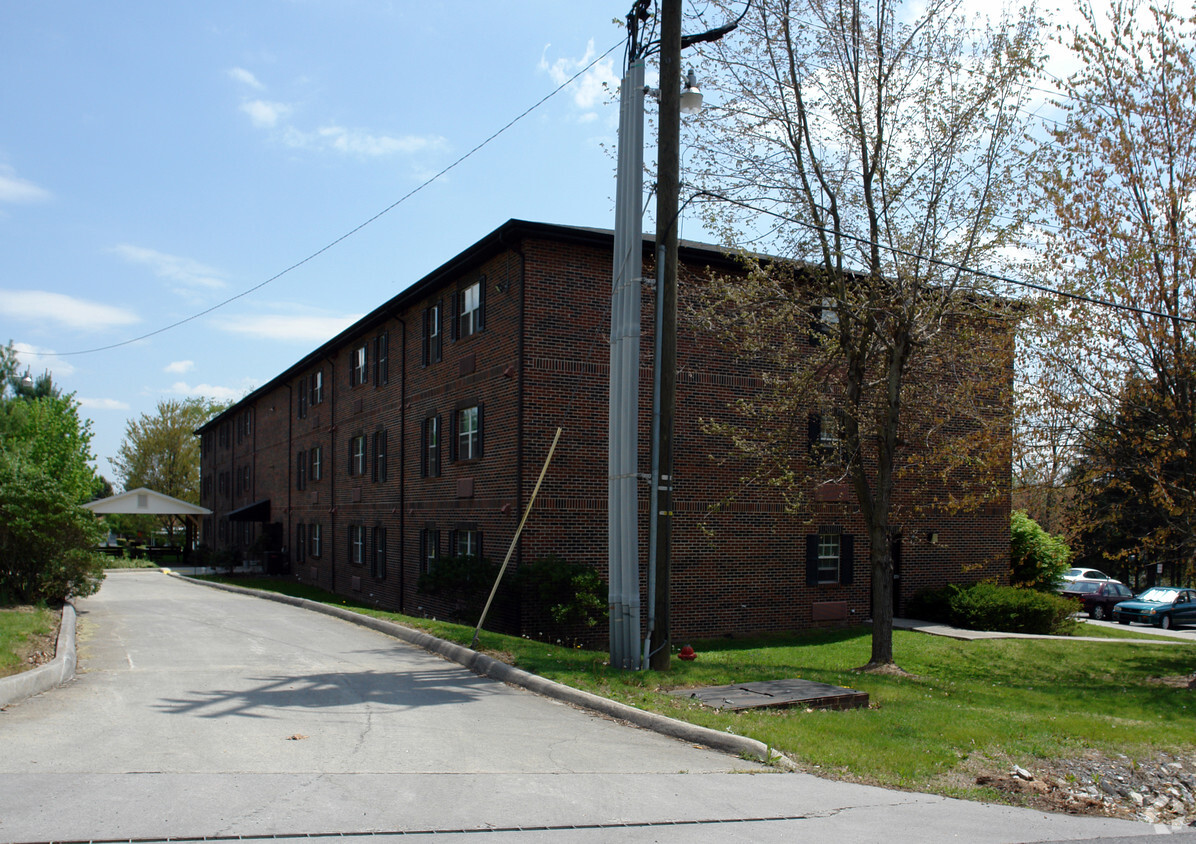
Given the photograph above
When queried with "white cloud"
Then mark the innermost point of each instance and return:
(305, 328)
(360, 142)
(211, 391)
(245, 77)
(190, 274)
(17, 190)
(180, 367)
(265, 114)
(38, 359)
(102, 404)
(60, 309)
(593, 87)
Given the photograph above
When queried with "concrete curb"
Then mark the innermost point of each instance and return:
(485, 666)
(45, 677)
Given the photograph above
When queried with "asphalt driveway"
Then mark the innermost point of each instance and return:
(200, 713)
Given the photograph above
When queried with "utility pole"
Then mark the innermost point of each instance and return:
(667, 189)
(623, 454)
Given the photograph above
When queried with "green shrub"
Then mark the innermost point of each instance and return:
(571, 593)
(985, 606)
(1038, 559)
(932, 604)
(462, 583)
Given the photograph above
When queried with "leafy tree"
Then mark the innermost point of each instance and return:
(1120, 184)
(1119, 516)
(46, 538)
(160, 451)
(1039, 559)
(49, 432)
(880, 151)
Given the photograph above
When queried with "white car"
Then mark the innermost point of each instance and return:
(1072, 575)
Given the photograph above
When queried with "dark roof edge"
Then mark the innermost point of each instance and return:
(499, 239)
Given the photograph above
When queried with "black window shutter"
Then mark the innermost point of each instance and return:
(423, 450)
(480, 317)
(452, 546)
(812, 560)
(478, 534)
(479, 450)
(455, 317)
(814, 424)
(846, 558)
(427, 343)
(350, 461)
(452, 436)
(439, 450)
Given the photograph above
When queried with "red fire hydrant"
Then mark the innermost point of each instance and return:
(687, 653)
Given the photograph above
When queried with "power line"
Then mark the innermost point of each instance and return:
(1041, 288)
(344, 236)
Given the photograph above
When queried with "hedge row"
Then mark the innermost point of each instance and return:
(985, 606)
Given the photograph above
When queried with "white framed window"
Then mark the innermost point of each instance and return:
(381, 359)
(315, 539)
(432, 336)
(357, 366)
(317, 463)
(829, 556)
(378, 557)
(469, 433)
(379, 464)
(430, 447)
(317, 387)
(471, 309)
(357, 455)
(467, 543)
(357, 544)
(429, 550)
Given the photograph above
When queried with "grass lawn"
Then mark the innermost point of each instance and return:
(966, 706)
(22, 629)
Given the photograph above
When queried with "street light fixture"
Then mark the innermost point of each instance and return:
(691, 97)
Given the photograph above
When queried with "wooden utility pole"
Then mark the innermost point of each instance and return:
(667, 189)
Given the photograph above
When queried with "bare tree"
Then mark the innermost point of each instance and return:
(877, 147)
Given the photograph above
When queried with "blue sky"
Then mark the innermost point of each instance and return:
(157, 158)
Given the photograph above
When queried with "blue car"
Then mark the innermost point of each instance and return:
(1162, 606)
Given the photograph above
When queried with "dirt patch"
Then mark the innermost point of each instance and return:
(1156, 789)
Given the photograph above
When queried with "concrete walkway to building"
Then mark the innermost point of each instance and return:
(197, 713)
(1184, 634)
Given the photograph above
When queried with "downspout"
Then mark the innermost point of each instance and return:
(330, 542)
(519, 393)
(403, 468)
(290, 469)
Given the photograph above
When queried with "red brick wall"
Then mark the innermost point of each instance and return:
(540, 362)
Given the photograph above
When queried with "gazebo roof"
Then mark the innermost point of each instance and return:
(146, 501)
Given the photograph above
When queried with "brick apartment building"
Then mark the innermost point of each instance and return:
(419, 432)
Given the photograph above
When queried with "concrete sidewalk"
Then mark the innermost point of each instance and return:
(936, 629)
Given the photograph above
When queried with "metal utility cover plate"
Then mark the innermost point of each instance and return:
(777, 693)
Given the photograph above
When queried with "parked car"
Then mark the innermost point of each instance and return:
(1162, 606)
(1098, 597)
(1083, 574)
